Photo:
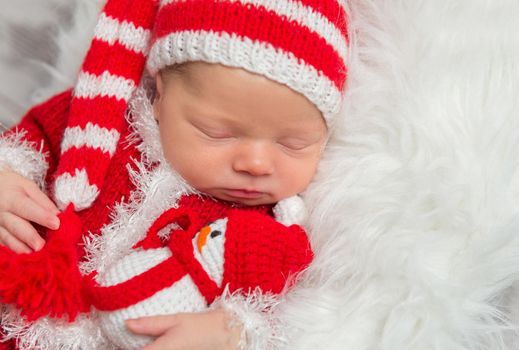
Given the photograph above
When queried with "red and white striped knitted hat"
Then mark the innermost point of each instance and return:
(299, 43)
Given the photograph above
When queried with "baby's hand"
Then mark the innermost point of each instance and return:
(22, 202)
(207, 330)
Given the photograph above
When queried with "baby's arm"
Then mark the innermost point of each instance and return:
(27, 151)
(194, 331)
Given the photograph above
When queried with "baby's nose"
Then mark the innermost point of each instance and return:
(254, 158)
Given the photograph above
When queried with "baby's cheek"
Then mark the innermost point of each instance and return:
(298, 178)
(194, 168)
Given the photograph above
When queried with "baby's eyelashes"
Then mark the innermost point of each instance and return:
(296, 144)
(218, 134)
(214, 133)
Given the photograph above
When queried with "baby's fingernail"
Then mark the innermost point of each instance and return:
(133, 323)
(37, 246)
(55, 223)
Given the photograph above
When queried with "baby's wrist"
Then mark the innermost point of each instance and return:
(236, 335)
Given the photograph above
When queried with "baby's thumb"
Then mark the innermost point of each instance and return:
(153, 326)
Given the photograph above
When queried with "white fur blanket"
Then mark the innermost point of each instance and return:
(417, 222)
(415, 208)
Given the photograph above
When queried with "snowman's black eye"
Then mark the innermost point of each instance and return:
(215, 233)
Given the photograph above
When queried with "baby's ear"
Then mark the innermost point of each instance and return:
(290, 211)
(159, 92)
(159, 86)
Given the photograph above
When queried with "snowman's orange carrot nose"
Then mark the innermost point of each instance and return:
(202, 237)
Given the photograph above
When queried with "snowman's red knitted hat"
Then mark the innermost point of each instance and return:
(261, 252)
(299, 43)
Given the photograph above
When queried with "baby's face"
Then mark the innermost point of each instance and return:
(238, 136)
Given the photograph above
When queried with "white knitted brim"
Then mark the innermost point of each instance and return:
(261, 58)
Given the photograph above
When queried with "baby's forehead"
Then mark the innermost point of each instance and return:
(227, 90)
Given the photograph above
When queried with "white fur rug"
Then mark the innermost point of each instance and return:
(417, 221)
(415, 215)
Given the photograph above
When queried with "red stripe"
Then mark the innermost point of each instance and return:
(257, 24)
(182, 249)
(138, 288)
(94, 161)
(141, 13)
(332, 10)
(107, 112)
(116, 59)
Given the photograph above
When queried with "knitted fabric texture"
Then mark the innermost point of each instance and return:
(110, 73)
(243, 250)
(301, 44)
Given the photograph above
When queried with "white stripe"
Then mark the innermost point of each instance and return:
(302, 15)
(106, 84)
(92, 136)
(260, 58)
(111, 30)
(75, 189)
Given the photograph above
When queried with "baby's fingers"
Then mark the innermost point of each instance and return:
(21, 230)
(8, 240)
(28, 209)
(40, 198)
(153, 325)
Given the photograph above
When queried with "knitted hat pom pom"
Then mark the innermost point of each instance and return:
(47, 282)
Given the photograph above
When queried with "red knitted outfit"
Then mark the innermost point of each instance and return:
(44, 126)
(251, 256)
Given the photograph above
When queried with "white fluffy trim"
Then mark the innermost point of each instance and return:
(49, 334)
(145, 130)
(255, 313)
(157, 190)
(23, 157)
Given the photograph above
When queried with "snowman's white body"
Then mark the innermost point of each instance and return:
(182, 296)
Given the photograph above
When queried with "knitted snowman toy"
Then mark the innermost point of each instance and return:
(189, 256)
(186, 267)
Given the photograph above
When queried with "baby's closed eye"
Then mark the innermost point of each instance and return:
(297, 144)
